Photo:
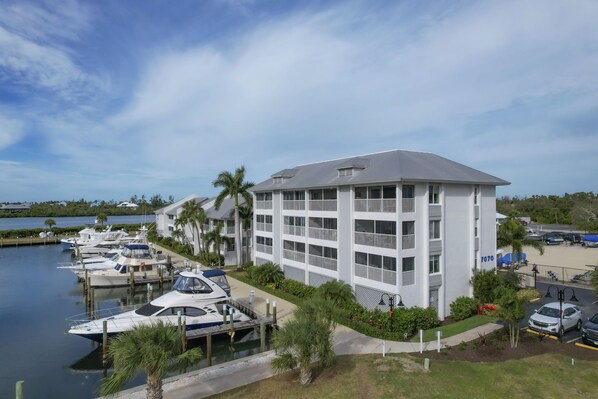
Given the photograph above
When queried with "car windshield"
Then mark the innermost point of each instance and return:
(549, 312)
(594, 319)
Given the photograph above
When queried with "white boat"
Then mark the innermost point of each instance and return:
(89, 236)
(195, 295)
(105, 262)
(136, 259)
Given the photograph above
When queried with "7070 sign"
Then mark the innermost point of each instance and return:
(489, 258)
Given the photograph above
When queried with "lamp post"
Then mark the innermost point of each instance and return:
(560, 294)
(391, 302)
(535, 271)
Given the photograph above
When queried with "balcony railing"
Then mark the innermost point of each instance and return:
(260, 226)
(322, 205)
(263, 204)
(322, 234)
(375, 205)
(294, 205)
(376, 240)
(408, 205)
(320, 261)
(263, 248)
(294, 230)
(376, 274)
(294, 255)
(409, 241)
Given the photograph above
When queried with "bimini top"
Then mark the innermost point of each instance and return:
(384, 167)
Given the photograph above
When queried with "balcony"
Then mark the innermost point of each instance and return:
(376, 240)
(263, 248)
(293, 255)
(293, 205)
(294, 230)
(323, 234)
(408, 241)
(322, 205)
(263, 204)
(263, 227)
(408, 205)
(376, 274)
(320, 261)
(375, 205)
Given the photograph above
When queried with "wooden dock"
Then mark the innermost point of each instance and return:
(226, 328)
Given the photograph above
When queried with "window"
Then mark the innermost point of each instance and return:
(434, 194)
(170, 217)
(294, 246)
(434, 264)
(475, 227)
(263, 196)
(434, 229)
(408, 191)
(264, 219)
(408, 271)
(361, 192)
(476, 191)
(345, 172)
(408, 228)
(293, 195)
(325, 252)
(377, 261)
(389, 263)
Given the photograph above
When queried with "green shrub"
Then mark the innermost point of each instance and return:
(338, 293)
(296, 288)
(268, 273)
(484, 282)
(463, 308)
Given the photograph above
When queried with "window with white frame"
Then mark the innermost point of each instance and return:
(408, 271)
(476, 192)
(434, 193)
(434, 229)
(376, 267)
(434, 264)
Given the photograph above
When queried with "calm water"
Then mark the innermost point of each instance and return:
(35, 300)
(38, 222)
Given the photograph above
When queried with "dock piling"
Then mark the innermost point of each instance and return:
(267, 307)
(274, 312)
(262, 336)
(20, 389)
(209, 349)
(131, 278)
(104, 342)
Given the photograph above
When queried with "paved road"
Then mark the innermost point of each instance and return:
(588, 304)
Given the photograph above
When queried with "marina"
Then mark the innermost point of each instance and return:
(36, 298)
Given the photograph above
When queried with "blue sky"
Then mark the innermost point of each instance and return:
(103, 100)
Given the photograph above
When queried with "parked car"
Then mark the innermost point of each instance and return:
(589, 331)
(573, 238)
(553, 238)
(546, 319)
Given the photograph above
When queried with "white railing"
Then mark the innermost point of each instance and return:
(408, 205)
(294, 230)
(263, 226)
(263, 204)
(294, 255)
(376, 240)
(376, 274)
(323, 234)
(294, 205)
(409, 241)
(322, 262)
(322, 205)
(375, 205)
(263, 248)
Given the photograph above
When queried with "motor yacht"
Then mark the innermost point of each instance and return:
(197, 296)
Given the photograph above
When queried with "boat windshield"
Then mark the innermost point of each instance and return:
(120, 268)
(222, 282)
(191, 285)
(148, 309)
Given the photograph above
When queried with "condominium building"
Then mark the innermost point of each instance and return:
(341, 219)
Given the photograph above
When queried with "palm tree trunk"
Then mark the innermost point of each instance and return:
(305, 375)
(237, 235)
(154, 387)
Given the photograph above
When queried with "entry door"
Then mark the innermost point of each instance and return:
(434, 298)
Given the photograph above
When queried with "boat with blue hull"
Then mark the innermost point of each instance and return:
(197, 298)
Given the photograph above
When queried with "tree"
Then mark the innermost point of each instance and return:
(153, 348)
(50, 222)
(246, 215)
(102, 218)
(512, 233)
(194, 216)
(511, 310)
(484, 283)
(217, 238)
(338, 293)
(233, 186)
(306, 337)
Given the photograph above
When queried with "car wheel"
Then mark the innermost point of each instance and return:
(578, 326)
(561, 332)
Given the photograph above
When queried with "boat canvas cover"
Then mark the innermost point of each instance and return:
(213, 273)
(591, 238)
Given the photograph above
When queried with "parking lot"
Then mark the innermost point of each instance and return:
(588, 303)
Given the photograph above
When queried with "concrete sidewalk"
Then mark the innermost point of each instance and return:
(220, 378)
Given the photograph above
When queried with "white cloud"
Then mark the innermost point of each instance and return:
(11, 131)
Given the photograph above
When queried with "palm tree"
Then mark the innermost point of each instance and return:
(193, 215)
(512, 233)
(306, 337)
(50, 222)
(216, 237)
(246, 215)
(338, 293)
(155, 349)
(233, 186)
(102, 218)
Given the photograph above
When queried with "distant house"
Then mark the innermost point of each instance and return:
(127, 204)
(15, 207)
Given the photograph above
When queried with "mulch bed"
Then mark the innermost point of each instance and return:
(496, 347)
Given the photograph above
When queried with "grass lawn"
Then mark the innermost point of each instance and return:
(403, 376)
(455, 328)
